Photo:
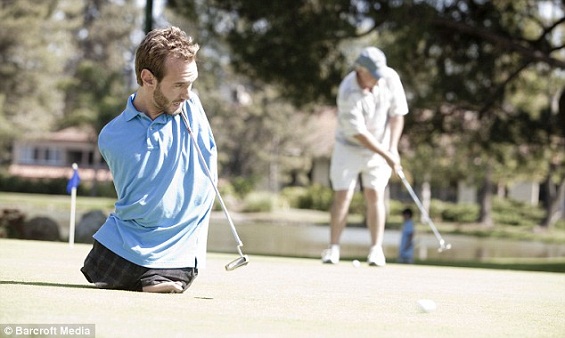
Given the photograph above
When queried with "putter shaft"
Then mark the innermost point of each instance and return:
(242, 260)
(426, 217)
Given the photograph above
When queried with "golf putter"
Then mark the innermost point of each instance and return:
(426, 218)
(242, 259)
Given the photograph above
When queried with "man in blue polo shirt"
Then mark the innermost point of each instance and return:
(156, 238)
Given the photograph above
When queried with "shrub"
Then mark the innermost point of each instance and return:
(229, 196)
(510, 212)
(316, 197)
(461, 213)
(260, 202)
(243, 186)
(357, 204)
(294, 195)
(53, 186)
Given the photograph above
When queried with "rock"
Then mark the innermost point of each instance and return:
(42, 228)
(12, 224)
(88, 225)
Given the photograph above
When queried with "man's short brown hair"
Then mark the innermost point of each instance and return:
(158, 45)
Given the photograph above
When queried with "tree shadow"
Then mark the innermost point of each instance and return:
(59, 285)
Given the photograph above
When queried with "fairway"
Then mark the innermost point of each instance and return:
(40, 283)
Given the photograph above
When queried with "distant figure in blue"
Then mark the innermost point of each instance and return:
(406, 249)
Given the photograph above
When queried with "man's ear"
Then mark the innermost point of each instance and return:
(148, 78)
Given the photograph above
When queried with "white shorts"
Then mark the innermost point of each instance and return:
(350, 161)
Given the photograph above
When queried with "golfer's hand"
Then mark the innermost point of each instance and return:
(393, 160)
(396, 166)
(394, 163)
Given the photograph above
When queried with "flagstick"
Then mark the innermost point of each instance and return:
(73, 212)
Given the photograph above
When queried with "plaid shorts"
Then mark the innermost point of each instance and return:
(109, 271)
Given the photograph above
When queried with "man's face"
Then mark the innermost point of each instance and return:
(171, 92)
(365, 79)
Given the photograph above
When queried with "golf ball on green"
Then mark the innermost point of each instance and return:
(427, 305)
(356, 263)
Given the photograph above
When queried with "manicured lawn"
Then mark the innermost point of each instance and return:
(40, 282)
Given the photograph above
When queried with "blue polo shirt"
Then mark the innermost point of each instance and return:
(164, 201)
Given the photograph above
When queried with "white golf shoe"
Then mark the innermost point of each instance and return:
(376, 256)
(331, 255)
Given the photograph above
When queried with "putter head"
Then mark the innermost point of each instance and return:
(237, 263)
(444, 246)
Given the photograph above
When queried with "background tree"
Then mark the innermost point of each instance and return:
(472, 75)
(259, 133)
(30, 45)
(460, 61)
(101, 69)
(63, 63)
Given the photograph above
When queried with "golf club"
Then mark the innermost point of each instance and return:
(242, 259)
(426, 218)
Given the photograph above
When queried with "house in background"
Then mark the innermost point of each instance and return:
(52, 155)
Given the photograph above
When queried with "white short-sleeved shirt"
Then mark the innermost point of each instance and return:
(365, 111)
(361, 111)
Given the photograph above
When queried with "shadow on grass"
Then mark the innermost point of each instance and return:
(73, 286)
(58, 285)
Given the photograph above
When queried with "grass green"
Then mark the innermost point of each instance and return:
(40, 282)
(39, 202)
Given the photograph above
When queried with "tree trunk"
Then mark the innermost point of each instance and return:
(426, 195)
(554, 200)
(485, 199)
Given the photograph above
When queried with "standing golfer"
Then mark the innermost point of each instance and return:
(371, 106)
(156, 238)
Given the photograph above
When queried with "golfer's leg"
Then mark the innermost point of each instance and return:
(168, 280)
(106, 270)
(338, 214)
(376, 215)
(164, 287)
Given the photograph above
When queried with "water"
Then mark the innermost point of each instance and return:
(310, 240)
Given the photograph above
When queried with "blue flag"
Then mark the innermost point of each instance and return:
(73, 182)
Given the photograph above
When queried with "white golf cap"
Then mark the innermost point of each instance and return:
(373, 59)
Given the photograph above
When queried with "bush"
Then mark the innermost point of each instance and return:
(357, 206)
(294, 195)
(53, 186)
(260, 202)
(509, 212)
(243, 186)
(560, 224)
(461, 213)
(437, 208)
(316, 197)
(56, 186)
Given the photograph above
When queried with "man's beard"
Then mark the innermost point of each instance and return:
(162, 103)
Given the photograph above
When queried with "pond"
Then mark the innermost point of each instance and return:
(309, 241)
